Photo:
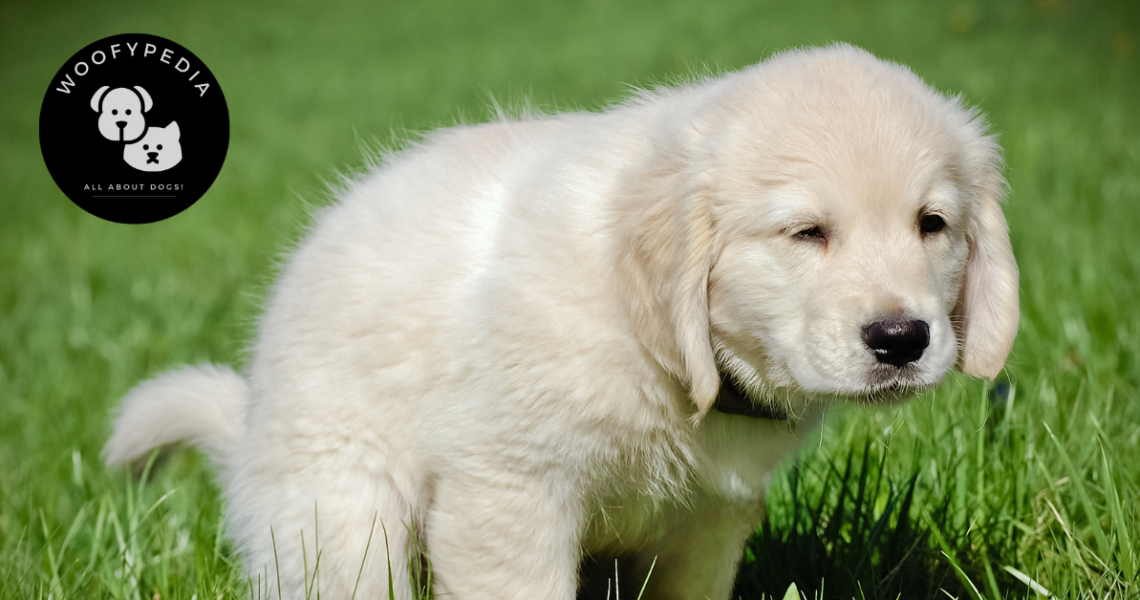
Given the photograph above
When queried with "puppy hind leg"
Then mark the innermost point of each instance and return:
(332, 534)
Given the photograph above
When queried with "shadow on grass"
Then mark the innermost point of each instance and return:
(848, 531)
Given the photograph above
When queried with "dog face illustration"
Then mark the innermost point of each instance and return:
(121, 112)
(158, 150)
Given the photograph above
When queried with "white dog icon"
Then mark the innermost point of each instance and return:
(121, 112)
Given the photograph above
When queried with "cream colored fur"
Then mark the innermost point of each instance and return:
(509, 338)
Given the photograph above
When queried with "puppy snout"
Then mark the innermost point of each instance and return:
(121, 124)
(896, 341)
(152, 157)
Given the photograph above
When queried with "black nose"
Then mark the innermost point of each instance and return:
(897, 342)
(121, 124)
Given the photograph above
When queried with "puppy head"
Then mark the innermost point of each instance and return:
(864, 249)
(121, 111)
(843, 234)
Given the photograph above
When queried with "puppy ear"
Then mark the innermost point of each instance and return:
(172, 129)
(98, 97)
(988, 308)
(690, 314)
(147, 102)
(665, 254)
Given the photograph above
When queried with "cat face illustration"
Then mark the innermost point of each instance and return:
(158, 150)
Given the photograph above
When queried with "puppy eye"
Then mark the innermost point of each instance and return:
(128, 111)
(931, 224)
(811, 233)
(114, 111)
(146, 147)
(158, 147)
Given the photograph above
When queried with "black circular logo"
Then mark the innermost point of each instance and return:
(134, 128)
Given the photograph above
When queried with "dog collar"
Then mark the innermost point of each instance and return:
(734, 401)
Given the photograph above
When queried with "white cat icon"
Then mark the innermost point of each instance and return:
(158, 150)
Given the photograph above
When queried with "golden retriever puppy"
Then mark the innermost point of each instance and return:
(538, 340)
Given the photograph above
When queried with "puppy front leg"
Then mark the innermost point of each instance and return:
(698, 557)
(504, 536)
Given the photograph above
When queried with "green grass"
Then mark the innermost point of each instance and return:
(980, 494)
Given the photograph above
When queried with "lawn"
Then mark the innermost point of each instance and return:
(1023, 489)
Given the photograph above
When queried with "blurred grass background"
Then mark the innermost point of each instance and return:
(1027, 490)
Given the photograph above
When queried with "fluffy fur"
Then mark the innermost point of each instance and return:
(509, 339)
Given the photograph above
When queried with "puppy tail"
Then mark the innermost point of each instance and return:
(203, 406)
